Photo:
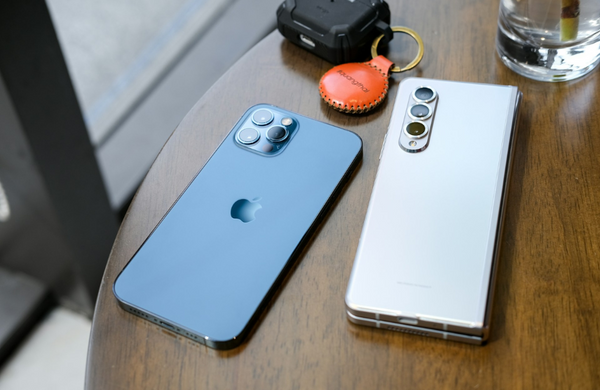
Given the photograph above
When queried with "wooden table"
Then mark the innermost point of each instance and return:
(545, 327)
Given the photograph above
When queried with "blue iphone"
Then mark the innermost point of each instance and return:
(212, 264)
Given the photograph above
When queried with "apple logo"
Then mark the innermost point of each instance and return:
(244, 209)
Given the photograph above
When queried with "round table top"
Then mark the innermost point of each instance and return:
(545, 330)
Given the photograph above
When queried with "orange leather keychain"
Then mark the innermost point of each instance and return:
(359, 87)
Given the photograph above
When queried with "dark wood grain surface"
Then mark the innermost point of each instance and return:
(546, 323)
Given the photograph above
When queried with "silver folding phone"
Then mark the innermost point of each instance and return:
(429, 247)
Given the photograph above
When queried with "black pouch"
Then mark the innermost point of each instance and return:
(338, 31)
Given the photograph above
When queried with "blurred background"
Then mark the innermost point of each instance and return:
(89, 93)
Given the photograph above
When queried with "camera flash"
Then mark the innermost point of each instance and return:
(286, 121)
(413, 143)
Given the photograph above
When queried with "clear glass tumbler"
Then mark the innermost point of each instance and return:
(549, 40)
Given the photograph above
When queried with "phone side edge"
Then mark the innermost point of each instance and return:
(513, 128)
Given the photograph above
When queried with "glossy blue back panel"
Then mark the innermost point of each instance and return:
(207, 272)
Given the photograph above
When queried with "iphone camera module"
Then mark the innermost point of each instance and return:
(266, 131)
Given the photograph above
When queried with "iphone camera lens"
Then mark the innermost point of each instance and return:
(424, 94)
(248, 136)
(420, 111)
(415, 129)
(262, 117)
(277, 134)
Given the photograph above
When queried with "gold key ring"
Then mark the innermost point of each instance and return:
(416, 37)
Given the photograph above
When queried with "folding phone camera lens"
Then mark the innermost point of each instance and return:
(420, 111)
(415, 130)
(424, 94)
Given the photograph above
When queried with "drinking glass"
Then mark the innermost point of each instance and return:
(549, 40)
